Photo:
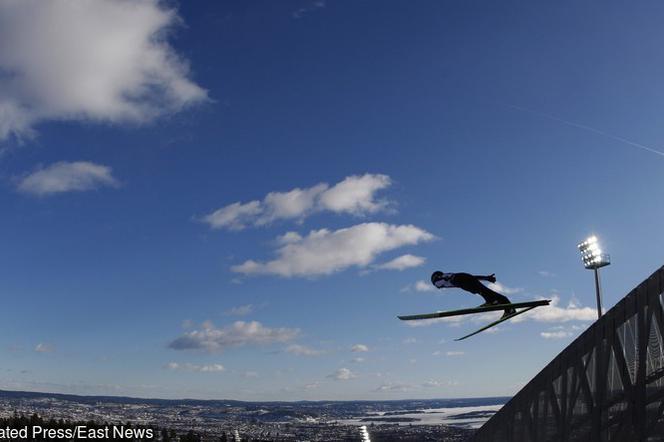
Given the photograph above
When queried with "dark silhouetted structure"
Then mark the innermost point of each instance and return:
(607, 385)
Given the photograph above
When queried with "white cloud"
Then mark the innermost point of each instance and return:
(503, 289)
(560, 334)
(242, 310)
(240, 333)
(359, 348)
(98, 60)
(294, 204)
(67, 177)
(392, 388)
(13, 120)
(342, 374)
(312, 386)
(554, 313)
(354, 195)
(419, 286)
(234, 216)
(288, 238)
(493, 330)
(448, 353)
(562, 331)
(454, 353)
(423, 286)
(209, 368)
(455, 321)
(402, 262)
(436, 384)
(302, 350)
(358, 360)
(323, 252)
(43, 347)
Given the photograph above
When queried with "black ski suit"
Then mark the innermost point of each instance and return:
(472, 284)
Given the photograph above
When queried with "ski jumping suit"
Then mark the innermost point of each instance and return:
(469, 283)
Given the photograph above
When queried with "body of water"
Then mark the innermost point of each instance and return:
(467, 417)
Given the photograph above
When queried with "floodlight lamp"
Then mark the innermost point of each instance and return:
(592, 254)
(593, 258)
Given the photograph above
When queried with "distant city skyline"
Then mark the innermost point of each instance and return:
(234, 200)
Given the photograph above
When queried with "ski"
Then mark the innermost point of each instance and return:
(470, 311)
(493, 324)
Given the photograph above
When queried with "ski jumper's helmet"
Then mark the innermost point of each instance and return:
(436, 276)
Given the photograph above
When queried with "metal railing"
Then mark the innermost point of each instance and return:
(607, 385)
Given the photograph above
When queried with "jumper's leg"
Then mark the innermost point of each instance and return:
(471, 284)
(496, 298)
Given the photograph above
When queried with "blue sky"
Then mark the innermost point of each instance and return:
(235, 199)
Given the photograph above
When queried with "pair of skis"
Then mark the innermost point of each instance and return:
(524, 306)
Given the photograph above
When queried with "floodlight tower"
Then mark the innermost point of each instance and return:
(593, 258)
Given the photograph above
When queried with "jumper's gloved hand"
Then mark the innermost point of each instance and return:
(491, 277)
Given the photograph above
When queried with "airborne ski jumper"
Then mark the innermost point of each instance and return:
(472, 284)
(493, 301)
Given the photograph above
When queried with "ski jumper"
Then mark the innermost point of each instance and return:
(470, 283)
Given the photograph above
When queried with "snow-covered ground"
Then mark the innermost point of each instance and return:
(457, 416)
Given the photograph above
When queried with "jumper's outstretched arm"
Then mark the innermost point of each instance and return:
(490, 278)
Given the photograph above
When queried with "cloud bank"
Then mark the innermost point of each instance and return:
(209, 368)
(97, 60)
(44, 348)
(402, 262)
(302, 350)
(242, 310)
(503, 289)
(359, 348)
(240, 333)
(354, 195)
(67, 177)
(559, 334)
(323, 252)
(391, 387)
(562, 331)
(553, 313)
(419, 286)
(342, 374)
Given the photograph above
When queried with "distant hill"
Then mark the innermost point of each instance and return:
(392, 404)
